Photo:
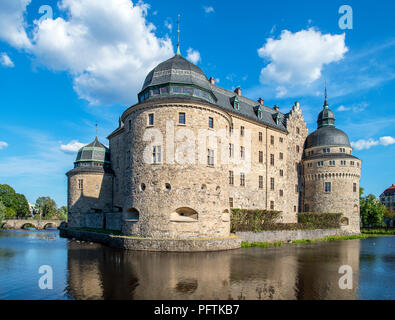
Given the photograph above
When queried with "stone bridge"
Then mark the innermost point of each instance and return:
(26, 223)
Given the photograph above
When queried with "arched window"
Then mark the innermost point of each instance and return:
(344, 221)
(184, 214)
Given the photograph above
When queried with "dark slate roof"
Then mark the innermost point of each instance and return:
(330, 156)
(248, 108)
(389, 191)
(94, 152)
(176, 70)
(327, 136)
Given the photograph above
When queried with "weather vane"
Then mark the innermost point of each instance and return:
(178, 32)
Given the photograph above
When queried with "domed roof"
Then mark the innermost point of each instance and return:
(93, 152)
(327, 136)
(176, 70)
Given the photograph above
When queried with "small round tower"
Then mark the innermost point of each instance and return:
(89, 183)
(331, 173)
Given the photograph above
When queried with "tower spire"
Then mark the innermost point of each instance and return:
(178, 32)
(96, 129)
(326, 96)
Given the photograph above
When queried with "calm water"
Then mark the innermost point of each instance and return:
(92, 271)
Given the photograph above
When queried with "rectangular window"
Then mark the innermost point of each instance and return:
(354, 187)
(352, 163)
(231, 178)
(242, 131)
(130, 124)
(326, 150)
(187, 90)
(272, 159)
(210, 157)
(328, 187)
(155, 91)
(332, 162)
(271, 139)
(156, 154)
(231, 150)
(181, 118)
(296, 188)
(231, 129)
(271, 205)
(281, 173)
(260, 182)
(260, 136)
(281, 193)
(80, 184)
(281, 140)
(231, 202)
(164, 90)
(260, 156)
(272, 184)
(176, 90)
(151, 119)
(242, 179)
(211, 123)
(281, 156)
(297, 130)
(320, 163)
(294, 208)
(297, 149)
(242, 153)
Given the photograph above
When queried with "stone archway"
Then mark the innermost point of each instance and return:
(184, 214)
(132, 214)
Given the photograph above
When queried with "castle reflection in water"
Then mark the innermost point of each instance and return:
(290, 272)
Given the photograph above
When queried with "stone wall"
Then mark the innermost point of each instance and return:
(109, 221)
(141, 244)
(288, 235)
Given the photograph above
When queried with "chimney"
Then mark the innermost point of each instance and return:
(238, 91)
(212, 80)
(260, 100)
(276, 108)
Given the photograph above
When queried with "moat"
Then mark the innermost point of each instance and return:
(93, 271)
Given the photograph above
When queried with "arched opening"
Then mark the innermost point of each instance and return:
(356, 208)
(132, 214)
(344, 221)
(184, 214)
(204, 187)
(168, 186)
(49, 226)
(225, 216)
(27, 226)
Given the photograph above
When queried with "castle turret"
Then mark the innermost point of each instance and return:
(331, 173)
(89, 183)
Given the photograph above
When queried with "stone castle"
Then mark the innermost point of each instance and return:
(189, 151)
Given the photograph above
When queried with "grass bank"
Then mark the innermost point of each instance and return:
(378, 232)
(304, 241)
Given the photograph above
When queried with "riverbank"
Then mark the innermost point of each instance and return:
(246, 244)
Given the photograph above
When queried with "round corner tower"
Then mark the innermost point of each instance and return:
(331, 173)
(89, 183)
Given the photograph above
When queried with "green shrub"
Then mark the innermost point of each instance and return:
(320, 220)
(265, 220)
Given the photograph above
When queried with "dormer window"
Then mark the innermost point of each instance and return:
(259, 112)
(236, 103)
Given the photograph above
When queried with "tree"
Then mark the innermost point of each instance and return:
(62, 213)
(2, 211)
(372, 211)
(46, 207)
(16, 201)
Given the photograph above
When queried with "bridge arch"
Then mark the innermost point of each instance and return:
(49, 225)
(28, 225)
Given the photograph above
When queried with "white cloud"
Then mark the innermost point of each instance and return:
(298, 58)
(193, 56)
(342, 108)
(72, 147)
(168, 25)
(3, 145)
(208, 9)
(359, 107)
(108, 47)
(367, 144)
(6, 61)
(12, 22)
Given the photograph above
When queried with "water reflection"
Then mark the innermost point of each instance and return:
(293, 272)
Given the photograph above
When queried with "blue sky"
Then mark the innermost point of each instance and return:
(86, 64)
